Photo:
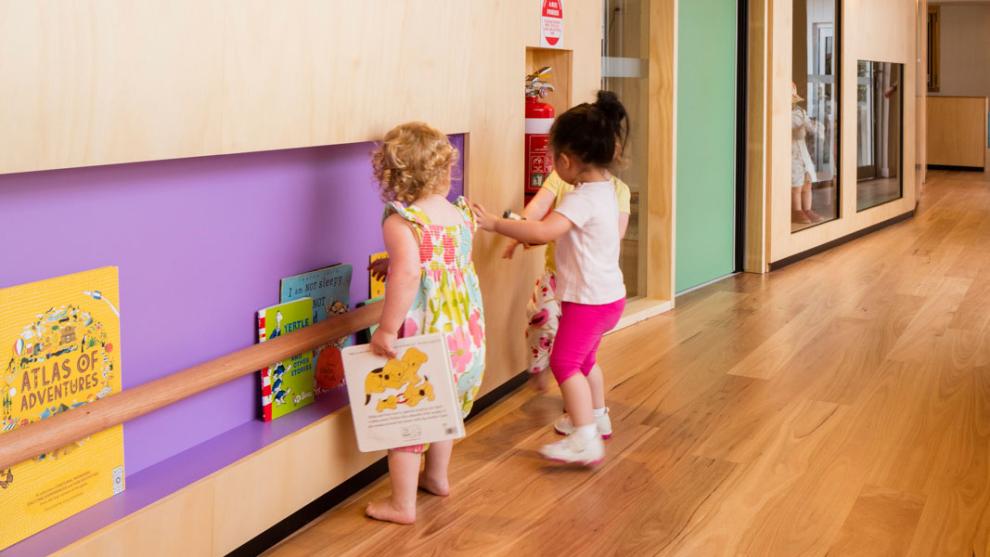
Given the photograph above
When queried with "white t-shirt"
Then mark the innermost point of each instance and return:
(587, 256)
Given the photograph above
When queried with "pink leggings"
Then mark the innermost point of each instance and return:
(579, 335)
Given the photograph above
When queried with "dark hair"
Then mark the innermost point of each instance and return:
(591, 132)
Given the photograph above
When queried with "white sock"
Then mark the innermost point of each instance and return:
(599, 412)
(586, 432)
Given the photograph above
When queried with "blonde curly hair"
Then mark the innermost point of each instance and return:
(414, 160)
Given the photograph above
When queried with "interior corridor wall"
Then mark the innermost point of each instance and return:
(706, 128)
(964, 50)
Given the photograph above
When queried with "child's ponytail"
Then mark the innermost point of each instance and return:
(596, 133)
(615, 115)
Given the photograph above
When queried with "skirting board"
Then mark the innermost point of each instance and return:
(958, 168)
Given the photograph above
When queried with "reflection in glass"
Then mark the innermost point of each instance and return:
(814, 115)
(624, 61)
(879, 121)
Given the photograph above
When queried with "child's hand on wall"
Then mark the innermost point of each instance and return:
(383, 343)
(379, 269)
(486, 220)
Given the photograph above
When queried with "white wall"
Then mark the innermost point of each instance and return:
(964, 58)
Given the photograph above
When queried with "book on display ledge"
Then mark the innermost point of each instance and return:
(329, 287)
(287, 385)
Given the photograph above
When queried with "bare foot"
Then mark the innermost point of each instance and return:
(386, 511)
(798, 217)
(540, 381)
(440, 488)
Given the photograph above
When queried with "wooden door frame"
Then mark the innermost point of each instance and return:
(755, 147)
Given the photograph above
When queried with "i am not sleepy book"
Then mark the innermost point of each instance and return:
(330, 289)
(287, 385)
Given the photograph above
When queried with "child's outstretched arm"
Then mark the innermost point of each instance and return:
(552, 226)
(536, 209)
(539, 207)
(403, 283)
(623, 224)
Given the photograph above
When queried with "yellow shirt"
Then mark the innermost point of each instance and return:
(559, 188)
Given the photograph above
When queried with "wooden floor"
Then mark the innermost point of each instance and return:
(839, 406)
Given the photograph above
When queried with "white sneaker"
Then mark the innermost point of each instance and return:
(564, 426)
(574, 450)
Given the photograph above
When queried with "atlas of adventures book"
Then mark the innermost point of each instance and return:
(59, 350)
(287, 385)
(330, 289)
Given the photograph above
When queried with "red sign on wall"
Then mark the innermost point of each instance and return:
(552, 23)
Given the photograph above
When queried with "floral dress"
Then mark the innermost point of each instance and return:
(449, 297)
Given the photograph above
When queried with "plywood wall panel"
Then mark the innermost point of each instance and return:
(99, 82)
(293, 471)
(957, 134)
(495, 153)
(180, 524)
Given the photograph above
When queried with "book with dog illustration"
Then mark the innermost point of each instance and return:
(330, 289)
(59, 351)
(287, 385)
(409, 400)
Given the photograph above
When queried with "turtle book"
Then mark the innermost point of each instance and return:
(329, 287)
(60, 350)
(287, 385)
(406, 401)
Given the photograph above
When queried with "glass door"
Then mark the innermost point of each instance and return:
(880, 136)
(625, 48)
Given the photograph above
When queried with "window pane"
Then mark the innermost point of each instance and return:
(624, 71)
(879, 121)
(814, 115)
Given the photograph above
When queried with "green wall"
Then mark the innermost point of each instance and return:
(706, 127)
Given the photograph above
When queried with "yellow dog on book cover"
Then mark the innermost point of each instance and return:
(59, 350)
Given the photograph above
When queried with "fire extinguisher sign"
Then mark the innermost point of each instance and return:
(539, 163)
(552, 24)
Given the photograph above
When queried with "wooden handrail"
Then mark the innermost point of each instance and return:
(46, 435)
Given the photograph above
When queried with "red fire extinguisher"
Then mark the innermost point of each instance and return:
(539, 118)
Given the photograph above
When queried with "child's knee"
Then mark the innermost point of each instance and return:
(563, 369)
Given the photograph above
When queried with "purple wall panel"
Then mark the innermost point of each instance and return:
(201, 245)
